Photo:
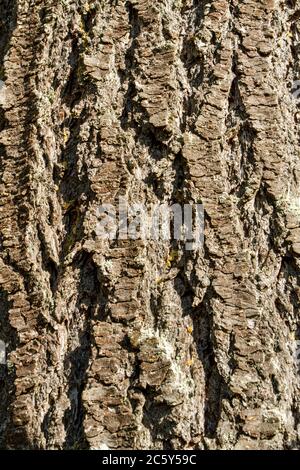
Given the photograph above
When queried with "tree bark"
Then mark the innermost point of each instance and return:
(122, 343)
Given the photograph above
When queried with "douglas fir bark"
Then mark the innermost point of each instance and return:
(143, 345)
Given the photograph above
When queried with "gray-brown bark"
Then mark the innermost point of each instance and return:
(120, 344)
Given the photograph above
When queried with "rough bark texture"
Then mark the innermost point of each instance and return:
(122, 344)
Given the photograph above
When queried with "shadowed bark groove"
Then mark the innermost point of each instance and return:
(126, 344)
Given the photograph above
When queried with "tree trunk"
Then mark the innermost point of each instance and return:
(136, 344)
